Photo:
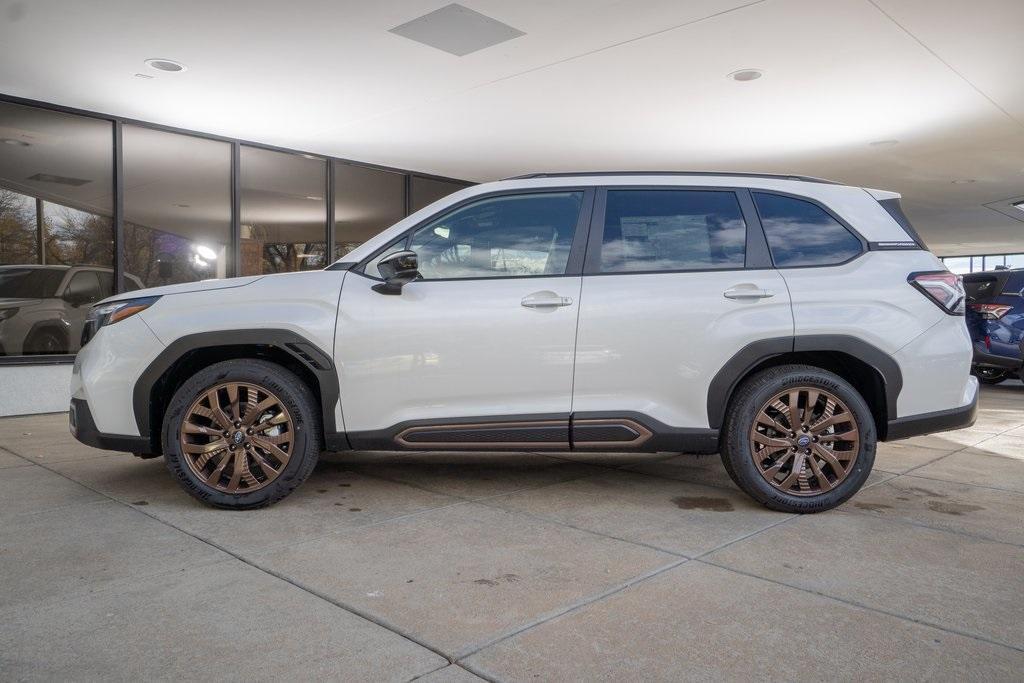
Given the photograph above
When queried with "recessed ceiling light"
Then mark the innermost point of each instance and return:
(165, 65)
(963, 181)
(1019, 205)
(746, 75)
(883, 143)
(14, 143)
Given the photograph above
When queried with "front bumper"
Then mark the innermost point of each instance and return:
(929, 423)
(84, 429)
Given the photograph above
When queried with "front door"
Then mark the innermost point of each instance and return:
(479, 352)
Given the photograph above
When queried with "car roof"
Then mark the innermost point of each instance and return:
(725, 174)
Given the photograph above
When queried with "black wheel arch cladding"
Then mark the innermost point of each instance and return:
(748, 359)
(311, 360)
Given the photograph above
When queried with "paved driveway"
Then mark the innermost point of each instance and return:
(520, 566)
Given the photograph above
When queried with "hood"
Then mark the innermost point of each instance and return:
(14, 303)
(186, 287)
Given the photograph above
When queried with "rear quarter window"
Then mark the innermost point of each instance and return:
(1014, 283)
(801, 233)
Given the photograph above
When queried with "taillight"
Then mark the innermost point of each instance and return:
(942, 288)
(990, 311)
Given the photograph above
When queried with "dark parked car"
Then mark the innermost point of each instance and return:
(995, 318)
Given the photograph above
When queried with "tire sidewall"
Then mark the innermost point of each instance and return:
(753, 396)
(295, 397)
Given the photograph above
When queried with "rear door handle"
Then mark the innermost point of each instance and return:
(747, 293)
(545, 299)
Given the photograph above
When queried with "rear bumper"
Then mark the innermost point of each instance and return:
(928, 423)
(84, 429)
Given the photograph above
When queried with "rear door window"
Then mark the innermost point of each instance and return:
(672, 230)
(801, 233)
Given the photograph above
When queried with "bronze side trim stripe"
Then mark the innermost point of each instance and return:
(641, 433)
(444, 434)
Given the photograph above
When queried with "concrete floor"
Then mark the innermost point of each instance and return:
(515, 567)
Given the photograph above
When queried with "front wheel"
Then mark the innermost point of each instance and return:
(242, 434)
(990, 375)
(798, 439)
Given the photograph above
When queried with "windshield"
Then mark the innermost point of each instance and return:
(29, 283)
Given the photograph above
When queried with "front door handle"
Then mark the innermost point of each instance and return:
(747, 293)
(545, 299)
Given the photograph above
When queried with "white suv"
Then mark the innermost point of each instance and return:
(787, 323)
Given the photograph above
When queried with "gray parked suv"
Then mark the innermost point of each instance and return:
(43, 308)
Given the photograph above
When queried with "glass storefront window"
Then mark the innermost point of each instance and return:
(177, 207)
(1015, 260)
(961, 265)
(428, 190)
(366, 201)
(284, 212)
(57, 215)
(56, 231)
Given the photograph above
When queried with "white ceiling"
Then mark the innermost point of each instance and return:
(634, 84)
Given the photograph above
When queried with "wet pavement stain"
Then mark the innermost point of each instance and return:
(956, 509)
(924, 492)
(873, 507)
(703, 503)
(504, 578)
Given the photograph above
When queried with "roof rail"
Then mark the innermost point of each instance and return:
(777, 176)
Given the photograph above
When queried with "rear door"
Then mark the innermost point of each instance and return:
(677, 280)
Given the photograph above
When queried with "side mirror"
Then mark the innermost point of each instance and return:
(398, 270)
(76, 299)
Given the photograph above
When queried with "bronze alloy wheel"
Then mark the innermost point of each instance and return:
(804, 441)
(237, 437)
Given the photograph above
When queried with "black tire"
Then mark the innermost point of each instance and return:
(293, 394)
(46, 342)
(737, 448)
(987, 375)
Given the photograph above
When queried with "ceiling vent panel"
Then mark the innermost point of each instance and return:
(457, 30)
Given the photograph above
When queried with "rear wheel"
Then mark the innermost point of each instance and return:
(798, 439)
(991, 375)
(242, 434)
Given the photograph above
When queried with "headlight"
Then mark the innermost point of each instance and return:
(108, 314)
(6, 313)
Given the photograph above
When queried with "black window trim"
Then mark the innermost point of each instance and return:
(864, 245)
(573, 266)
(755, 248)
